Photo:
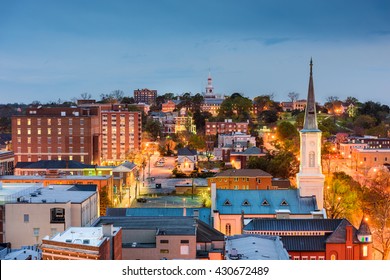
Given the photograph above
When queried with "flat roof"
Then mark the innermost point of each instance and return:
(255, 247)
(89, 236)
(36, 193)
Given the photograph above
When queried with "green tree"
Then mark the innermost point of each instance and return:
(286, 130)
(341, 200)
(153, 128)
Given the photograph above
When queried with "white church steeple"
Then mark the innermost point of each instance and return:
(310, 179)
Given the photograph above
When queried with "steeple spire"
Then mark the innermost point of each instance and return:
(310, 122)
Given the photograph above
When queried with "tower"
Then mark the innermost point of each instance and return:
(310, 179)
(209, 88)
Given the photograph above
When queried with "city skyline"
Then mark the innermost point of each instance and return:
(51, 51)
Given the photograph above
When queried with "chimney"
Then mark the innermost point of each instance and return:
(108, 230)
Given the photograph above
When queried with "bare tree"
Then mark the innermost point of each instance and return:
(293, 96)
(86, 96)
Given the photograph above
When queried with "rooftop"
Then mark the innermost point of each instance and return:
(36, 193)
(89, 236)
(255, 247)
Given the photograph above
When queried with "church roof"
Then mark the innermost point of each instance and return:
(263, 202)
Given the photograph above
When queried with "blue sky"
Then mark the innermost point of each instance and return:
(52, 50)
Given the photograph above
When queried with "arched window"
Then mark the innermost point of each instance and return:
(311, 159)
(228, 229)
(333, 255)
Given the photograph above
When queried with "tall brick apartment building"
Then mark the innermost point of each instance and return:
(145, 95)
(90, 133)
(58, 133)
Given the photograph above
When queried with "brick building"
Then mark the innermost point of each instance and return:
(6, 162)
(84, 243)
(317, 239)
(145, 96)
(168, 106)
(121, 134)
(59, 133)
(226, 127)
(242, 179)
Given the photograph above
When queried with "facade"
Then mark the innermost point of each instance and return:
(187, 160)
(121, 134)
(317, 239)
(169, 238)
(59, 133)
(310, 179)
(84, 243)
(365, 159)
(145, 96)
(184, 123)
(231, 209)
(168, 106)
(226, 127)
(33, 212)
(240, 160)
(241, 179)
(6, 162)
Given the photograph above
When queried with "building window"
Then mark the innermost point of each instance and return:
(39, 131)
(312, 258)
(164, 241)
(59, 131)
(28, 121)
(28, 140)
(228, 229)
(57, 215)
(36, 231)
(265, 203)
(26, 218)
(164, 251)
(321, 258)
(365, 251)
(49, 131)
(19, 131)
(246, 203)
(29, 131)
(48, 121)
(18, 121)
(59, 121)
(227, 203)
(185, 250)
(284, 203)
(70, 131)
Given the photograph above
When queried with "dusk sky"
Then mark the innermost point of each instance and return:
(52, 50)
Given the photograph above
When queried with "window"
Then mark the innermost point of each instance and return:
(246, 203)
(28, 121)
(70, 140)
(26, 218)
(29, 131)
(265, 203)
(164, 251)
(164, 241)
(312, 258)
(59, 131)
(28, 140)
(36, 231)
(39, 131)
(284, 203)
(49, 131)
(59, 121)
(311, 159)
(365, 251)
(82, 140)
(227, 203)
(321, 258)
(18, 121)
(184, 241)
(57, 215)
(19, 131)
(48, 140)
(184, 250)
(70, 131)
(48, 121)
(70, 121)
(228, 229)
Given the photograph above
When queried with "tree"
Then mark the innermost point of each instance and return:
(293, 96)
(286, 130)
(377, 206)
(86, 96)
(153, 128)
(196, 142)
(341, 199)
